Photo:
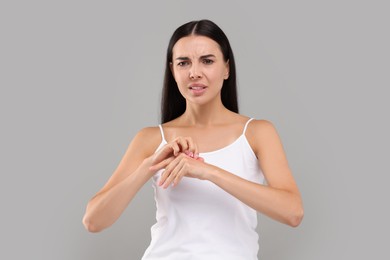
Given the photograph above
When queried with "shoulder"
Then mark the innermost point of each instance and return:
(261, 127)
(261, 134)
(147, 140)
(149, 132)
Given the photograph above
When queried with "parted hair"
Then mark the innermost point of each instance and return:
(173, 103)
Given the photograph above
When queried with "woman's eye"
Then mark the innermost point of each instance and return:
(207, 61)
(183, 63)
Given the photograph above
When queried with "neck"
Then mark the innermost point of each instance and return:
(205, 115)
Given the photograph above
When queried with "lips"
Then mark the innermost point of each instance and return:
(197, 86)
(197, 89)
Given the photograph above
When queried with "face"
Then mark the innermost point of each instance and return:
(199, 69)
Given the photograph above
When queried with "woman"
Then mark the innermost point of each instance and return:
(207, 162)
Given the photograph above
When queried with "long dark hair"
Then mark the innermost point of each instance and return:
(173, 103)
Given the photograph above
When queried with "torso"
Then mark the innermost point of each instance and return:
(197, 219)
(208, 138)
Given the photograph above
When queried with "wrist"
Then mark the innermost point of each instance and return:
(212, 174)
(146, 164)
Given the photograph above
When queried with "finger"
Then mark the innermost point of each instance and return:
(175, 148)
(179, 176)
(191, 146)
(188, 153)
(161, 164)
(174, 169)
(183, 143)
(164, 176)
(193, 149)
(168, 169)
(164, 152)
(173, 174)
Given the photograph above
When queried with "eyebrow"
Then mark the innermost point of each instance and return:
(201, 57)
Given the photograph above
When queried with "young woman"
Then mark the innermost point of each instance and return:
(206, 161)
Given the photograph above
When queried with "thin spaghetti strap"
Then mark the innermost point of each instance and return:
(246, 125)
(162, 133)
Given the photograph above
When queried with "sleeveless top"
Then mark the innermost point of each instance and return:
(197, 220)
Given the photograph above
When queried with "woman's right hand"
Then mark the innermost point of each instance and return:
(171, 150)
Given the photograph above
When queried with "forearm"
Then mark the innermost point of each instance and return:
(106, 207)
(281, 205)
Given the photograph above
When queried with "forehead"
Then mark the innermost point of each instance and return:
(196, 45)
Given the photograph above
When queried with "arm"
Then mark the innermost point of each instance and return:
(131, 174)
(279, 200)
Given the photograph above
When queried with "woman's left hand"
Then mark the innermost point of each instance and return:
(183, 165)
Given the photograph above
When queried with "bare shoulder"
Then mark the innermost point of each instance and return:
(143, 145)
(261, 127)
(146, 141)
(149, 132)
(262, 134)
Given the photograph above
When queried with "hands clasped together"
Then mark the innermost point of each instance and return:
(180, 158)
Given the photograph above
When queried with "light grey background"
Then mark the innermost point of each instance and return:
(80, 78)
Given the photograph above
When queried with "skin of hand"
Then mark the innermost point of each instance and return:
(180, 152)
(131, 174)
(280, 199)
(173, 149)
(185, 164)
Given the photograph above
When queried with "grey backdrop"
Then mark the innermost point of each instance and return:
(80, 78)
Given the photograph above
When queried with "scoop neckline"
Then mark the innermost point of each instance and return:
(219, 149)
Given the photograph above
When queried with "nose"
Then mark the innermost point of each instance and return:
(195, 72)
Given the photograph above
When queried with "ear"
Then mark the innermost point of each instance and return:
(171, 68)
(226, 76)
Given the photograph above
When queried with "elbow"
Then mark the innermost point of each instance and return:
(90, 226)
(296, 218)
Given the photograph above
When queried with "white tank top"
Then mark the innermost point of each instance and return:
(197, 220)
